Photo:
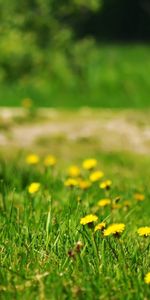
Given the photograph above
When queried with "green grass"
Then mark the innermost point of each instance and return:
(110, 76)
(39, 233)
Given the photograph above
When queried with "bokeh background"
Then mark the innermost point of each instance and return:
(72, 53)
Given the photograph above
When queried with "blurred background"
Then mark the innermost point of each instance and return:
(72, 53)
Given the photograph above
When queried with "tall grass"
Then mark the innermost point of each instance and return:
(40, 233)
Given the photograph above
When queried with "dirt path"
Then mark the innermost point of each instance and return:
(113, 131)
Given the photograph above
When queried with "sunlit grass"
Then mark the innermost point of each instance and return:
(47, 252)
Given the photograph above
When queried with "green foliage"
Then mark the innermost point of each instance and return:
(102, 76)
(43, 56)
(32, 31)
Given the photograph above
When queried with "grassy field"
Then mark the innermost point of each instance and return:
(109, 76)
(47, 254)
(48, 250)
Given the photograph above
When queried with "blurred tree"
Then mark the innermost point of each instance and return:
(39, 36)
(31, 28)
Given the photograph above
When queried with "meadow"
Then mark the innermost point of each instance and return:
(57, 211)
(107, 75)
(74, 202)
(74, 150)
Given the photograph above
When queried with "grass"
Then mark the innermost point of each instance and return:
(111, 76)
(40, 257)
(40, 254)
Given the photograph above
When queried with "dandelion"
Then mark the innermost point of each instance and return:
(88, 219)
(71, 182)
(95, 176)
(100, 226)
(114, 229)
(74, 171)
(84, 184)
(139, 197)
(105, 184)
(34, 187)
(144, 231)
(89, 164)
(27, 103)
(50, 161)
(32, 159)
(147, 278)
(104, 202)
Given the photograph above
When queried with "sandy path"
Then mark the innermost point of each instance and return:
(113, 131)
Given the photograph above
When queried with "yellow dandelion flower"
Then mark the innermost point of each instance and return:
(50, 161)
(104, 202)
(89, 164)
(88, 219)
(74, 171)
(105, 184)
(139, 197)
(84, 184)
(147, 278)
(71, 182)
(27, 103)
(144, 231)
(32, 159)
(34, 187)
(95, 176)
(114, 229)
(100, 226)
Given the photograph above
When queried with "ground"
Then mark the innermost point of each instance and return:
(117, 130)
